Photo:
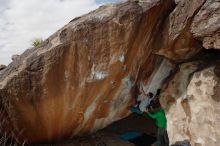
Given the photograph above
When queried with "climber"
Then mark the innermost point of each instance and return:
(158, 114)
(155, 101)
(144, 100)
(161, 122)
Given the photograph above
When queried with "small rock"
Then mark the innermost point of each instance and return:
(182, 143)
(15, 57)
(2, 67)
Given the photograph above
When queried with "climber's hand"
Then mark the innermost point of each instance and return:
(146, 110)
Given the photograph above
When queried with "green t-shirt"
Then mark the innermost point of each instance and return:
(160, 117)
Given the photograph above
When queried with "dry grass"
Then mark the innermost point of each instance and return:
(6, 138)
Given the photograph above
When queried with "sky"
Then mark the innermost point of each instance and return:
(21, 21)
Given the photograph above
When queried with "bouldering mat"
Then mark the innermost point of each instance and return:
(129, 135)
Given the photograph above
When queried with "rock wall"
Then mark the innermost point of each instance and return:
(158, 76)
(193, 109)
(85, 76)
(82, 78)
(205, 26)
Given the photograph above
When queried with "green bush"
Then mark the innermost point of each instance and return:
(37, 42)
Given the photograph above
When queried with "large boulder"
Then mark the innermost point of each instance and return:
(193, 108)
(86, 75)
(82, 77)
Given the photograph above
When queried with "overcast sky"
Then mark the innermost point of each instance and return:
(23, 20)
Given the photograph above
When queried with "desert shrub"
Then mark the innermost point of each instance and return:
(37, 42)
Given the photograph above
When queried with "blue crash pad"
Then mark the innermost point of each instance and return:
(129, 135)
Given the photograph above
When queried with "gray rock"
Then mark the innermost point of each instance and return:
(15, 57)
(206, 24)
(2, 67)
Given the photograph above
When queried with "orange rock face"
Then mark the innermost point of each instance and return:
(85, 76)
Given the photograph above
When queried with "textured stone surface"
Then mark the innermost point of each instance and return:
(177, 85)
(193, 114)
(81, 79)
(206, 24)
(157, 78)
(15, 57)
(2, 67)
(177, 42)
(86, 75)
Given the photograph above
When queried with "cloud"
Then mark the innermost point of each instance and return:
(107, 1)
(23, 20)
